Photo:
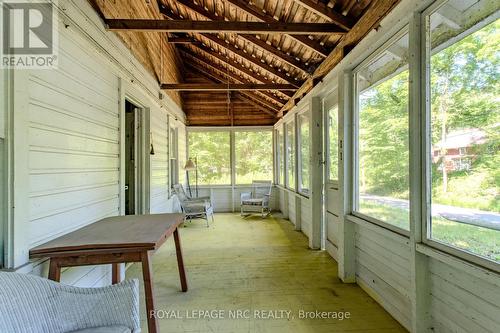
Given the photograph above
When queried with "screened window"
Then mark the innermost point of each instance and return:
(304, 151)
(383, 153)
(173, 156)
(253, 156)
(290, 154)
(281, 156)
(212, 152)
(333, 138)
(465, 133)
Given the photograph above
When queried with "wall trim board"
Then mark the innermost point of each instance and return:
(460, 264)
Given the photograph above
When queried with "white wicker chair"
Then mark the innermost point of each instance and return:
(194, 207)
(257, 201)
(31, 304)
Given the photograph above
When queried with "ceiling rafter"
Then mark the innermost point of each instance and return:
(275, 52)
(321, 9)
(238, 52)
(224, 71)
(377, 10)
(222, 26)
(303, 39)
(266, 106)
(225, 87)
(236, 65)
(261, 64)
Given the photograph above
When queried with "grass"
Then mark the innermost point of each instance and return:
(481, 241)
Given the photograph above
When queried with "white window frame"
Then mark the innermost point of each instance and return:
(278, 163)
(287, 166)
(305, 192)
(328, 144)
(231, 131)
(426, 139)
(243, 129)
(173, 155)
(355, 103)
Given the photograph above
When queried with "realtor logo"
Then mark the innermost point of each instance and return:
(29, 34)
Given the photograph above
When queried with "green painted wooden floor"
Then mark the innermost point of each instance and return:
(258, 265)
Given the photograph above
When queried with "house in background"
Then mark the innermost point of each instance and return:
(460, 149)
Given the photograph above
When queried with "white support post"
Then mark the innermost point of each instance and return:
(316, 171)
(233, 166)
(346, 242)
(298, 211)
(18, 154)
(420, 285)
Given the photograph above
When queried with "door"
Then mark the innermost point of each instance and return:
(133, 153)
(332, 205)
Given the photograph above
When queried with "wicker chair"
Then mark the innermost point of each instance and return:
(29, 303)
(194, 208)
(257, 201)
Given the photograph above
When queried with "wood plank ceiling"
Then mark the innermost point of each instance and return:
(243, 45)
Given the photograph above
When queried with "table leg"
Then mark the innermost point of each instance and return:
(116, 273)
(148, 291)
(54, 270)
(180, 261)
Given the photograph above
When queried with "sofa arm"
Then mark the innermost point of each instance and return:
(32, 304)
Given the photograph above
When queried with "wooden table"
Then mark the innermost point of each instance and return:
(115, 240)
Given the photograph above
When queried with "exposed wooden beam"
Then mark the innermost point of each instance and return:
(225, 87)
(235, 50)
(321, 9)
(371, 18)
(234, 64)
(188, 53)
(222, 26)
(264, 17)
(264, 104)
(232, 48)
(283, 56)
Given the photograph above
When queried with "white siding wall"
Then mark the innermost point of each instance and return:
(159, 161)
(383, 269)
(73, 142)
(462, 302)
(305, 216)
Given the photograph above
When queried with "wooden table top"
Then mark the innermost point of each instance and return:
(145, 232)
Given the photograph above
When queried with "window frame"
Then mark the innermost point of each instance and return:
(355, 129)
(279, 155)
(233, 148)
(305, 112)
(173, 155)
(328, 159)
(426, 140)
(292, 122)
(231, 130)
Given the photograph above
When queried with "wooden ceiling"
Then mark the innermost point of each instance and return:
(267, 53)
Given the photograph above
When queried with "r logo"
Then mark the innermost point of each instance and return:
(27, 28)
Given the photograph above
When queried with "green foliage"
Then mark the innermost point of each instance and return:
(305, 149)
(254, 156)
(465, 85)
(212, 151)
(383, 138)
